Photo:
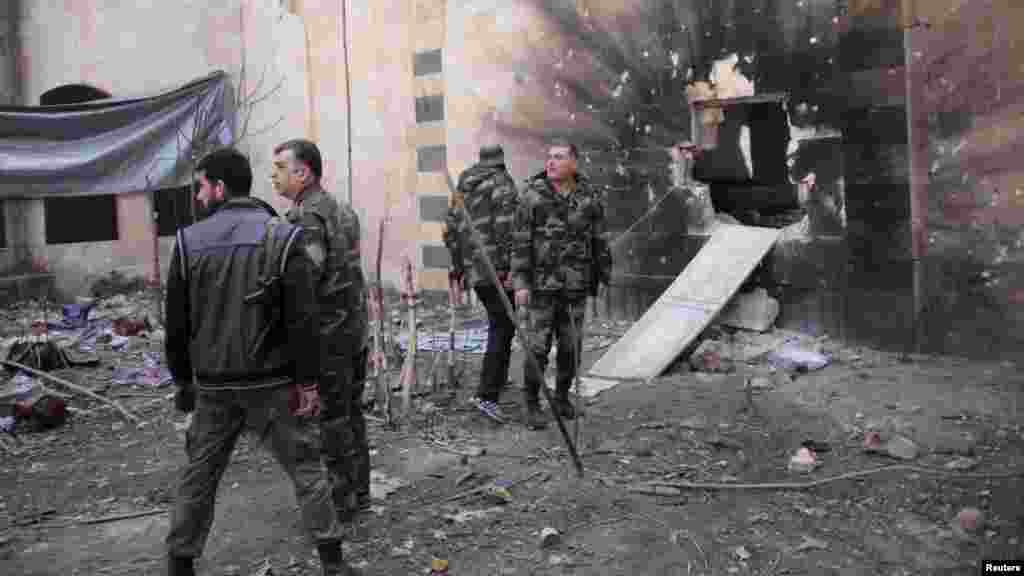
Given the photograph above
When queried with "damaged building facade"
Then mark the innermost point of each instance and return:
(906, 113)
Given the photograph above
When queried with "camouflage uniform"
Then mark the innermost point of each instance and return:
(332, 239)
(561, 254)
(489, 194)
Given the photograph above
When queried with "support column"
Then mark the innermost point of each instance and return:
(25, 222)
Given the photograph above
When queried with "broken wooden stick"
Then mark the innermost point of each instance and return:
(408, 374)
(531, 361)
(831, 479)
(80, 389)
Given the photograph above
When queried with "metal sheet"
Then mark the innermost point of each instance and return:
(686, 308)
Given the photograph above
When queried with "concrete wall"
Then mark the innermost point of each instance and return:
(144, 48)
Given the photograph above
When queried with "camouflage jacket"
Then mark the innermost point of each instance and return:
(332, 242)
(489, 194)
(560, 241)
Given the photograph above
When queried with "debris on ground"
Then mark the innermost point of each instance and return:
(969, 522)
(803, 462)
(794, 359)
(712, 357)
(899, 447)
(549, 537)
(755, 311)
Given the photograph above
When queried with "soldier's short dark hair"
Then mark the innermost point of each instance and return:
(565, 143)
(306, 152)
(230, 167)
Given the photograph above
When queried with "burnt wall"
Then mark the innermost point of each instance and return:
(842, 65)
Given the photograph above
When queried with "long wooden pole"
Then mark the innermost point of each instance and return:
(492, 275)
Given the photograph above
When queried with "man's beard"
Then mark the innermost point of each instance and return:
(204, 213)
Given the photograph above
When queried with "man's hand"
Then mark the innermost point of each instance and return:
(305, 399)
(505, 279)
(185, 398)
(522, 298)
(455, 289)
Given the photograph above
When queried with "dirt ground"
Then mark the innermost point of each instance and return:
(434, 470)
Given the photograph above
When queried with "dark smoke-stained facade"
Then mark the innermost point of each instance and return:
(616, 81)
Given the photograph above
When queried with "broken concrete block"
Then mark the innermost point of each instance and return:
(711, 357)
(549, 537)
(754, 311)
(969, 522)
(901, 447)
(803, 461)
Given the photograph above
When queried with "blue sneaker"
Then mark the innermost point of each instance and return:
(490, 410)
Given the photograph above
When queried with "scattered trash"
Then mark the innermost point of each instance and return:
(962, 464)
(803, 461)
(872, 441)
(77, 315)
(265, 570)
(755, 311)
(153, 374)
(42, 413)
(794, 359)
(761, 383)
(698, 422)
(559, 560)
(710, 357)
(500, 491)
(473, 340)
(655, 490)
(969, 522)
(470, 515)
(439, 566)
(549, 537)
(742, 553)
(130, 326)
(811, 544)
(899, 447)
(7, 424)
(816, 446)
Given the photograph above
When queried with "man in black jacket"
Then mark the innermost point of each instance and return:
(242, 319)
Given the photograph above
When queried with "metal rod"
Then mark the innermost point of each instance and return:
(917, 174)
(531, 361)
(348, 93)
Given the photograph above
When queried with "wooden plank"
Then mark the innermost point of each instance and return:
(686, 308)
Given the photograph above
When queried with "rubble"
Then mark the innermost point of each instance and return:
(755, 311)
(549, 537)
(803, 461)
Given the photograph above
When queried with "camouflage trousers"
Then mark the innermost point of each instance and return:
(550, 317)
(219, 418)
(346, 451)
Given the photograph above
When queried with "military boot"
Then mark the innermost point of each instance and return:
(565, 408)
(181, 566)
(331, 560)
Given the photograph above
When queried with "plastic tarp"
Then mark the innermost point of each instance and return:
(112, 146)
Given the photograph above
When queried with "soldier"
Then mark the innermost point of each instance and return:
(561, 255)
(489, 194)
(332, 237)
(241, 316)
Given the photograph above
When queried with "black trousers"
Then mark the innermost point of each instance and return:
(500, 332)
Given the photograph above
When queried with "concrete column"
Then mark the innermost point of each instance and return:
(8, 91)
(25, 222)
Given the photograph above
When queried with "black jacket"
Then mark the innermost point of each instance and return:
(211, 330)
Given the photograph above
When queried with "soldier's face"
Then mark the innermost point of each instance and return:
(560, 165)
(288, 176)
